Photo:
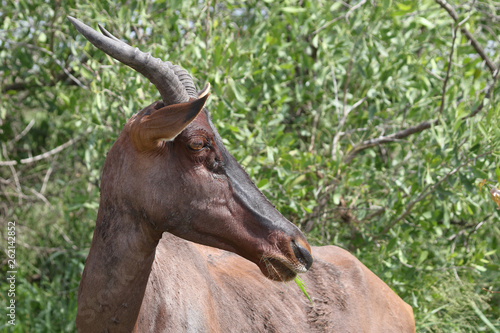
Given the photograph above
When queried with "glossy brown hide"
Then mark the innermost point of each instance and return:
(187, 185)
(169, 174)
(194, 288)
(138, 277)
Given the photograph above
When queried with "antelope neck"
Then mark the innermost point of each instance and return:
(116, 272)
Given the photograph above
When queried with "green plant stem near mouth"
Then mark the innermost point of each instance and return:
(300, 283)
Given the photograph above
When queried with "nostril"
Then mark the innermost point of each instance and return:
(302, 255)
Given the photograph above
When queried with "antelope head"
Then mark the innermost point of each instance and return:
(170, 169)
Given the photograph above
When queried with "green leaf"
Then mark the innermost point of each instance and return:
(298, 179)
(425, 22)
(423, 256)
(293, 10)
(300, 283)
(403, 6)
(263, 184)
(315, 40)
(391, 244)
(446, 216)
(42, 37)
(484, 318)
(478, 172)
(236, 90)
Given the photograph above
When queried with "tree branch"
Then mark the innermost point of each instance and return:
(46, 154)
(472, 40)
(448, 71)
(489, 89)
(418, 128)
(426, 191)
(25, 85)
(427, 124)
(389, 138)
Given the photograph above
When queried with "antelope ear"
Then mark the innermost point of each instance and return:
(166, 123)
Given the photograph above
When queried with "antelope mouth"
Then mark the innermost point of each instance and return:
(278, 269)
(285, 266)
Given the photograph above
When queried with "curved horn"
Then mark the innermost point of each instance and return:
(174, 83)
(180, 72)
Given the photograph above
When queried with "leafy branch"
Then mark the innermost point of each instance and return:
(409, 131)
(389, 138)
(67, 73)
(428, 190)
(47, 154)
(475, 44)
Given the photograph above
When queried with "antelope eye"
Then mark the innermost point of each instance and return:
(196, 145)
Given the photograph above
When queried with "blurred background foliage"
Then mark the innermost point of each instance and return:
(370, 124)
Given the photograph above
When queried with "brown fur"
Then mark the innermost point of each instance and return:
(194, 288)
(139, 276)
(169, 174)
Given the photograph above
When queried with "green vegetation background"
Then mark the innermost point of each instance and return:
(369, 124)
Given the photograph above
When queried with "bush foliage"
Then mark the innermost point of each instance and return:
(371, 125)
